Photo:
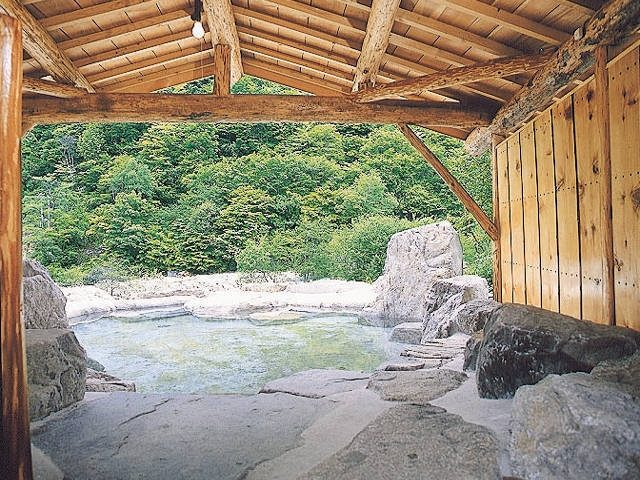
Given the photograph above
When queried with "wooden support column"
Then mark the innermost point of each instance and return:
(604, 132)
(469, 203)
(15, 446)
(222, 69)
(497, 253)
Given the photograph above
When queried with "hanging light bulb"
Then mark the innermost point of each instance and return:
(197, 30)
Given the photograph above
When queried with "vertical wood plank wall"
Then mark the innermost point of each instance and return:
(549, 178)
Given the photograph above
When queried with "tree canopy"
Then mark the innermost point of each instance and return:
(319, 199)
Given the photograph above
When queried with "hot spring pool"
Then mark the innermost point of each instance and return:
(191, 355)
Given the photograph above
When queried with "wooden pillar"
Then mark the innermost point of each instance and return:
(15, 446)
(497, 254)
(458, 190)
(604, 132)
(222, 69)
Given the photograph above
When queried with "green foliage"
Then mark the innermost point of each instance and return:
(358, 252)
(109, 201)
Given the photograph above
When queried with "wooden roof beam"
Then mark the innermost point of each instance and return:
(53, 89)
(243, 108)
(376, 41)
(573, 60)
(222, 26)
(39, 44)
(458, 190)
(512, 21)
(456, 76)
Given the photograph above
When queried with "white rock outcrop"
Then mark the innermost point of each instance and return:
(416, 259)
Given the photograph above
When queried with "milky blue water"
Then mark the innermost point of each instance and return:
(190, 355)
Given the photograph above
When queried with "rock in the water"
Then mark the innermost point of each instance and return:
(416, 259)
(408, 332)
(419, 386)
(446, 298)
(472, 316)
(412, 442)
(625, 373)
(103, 382)
(575, 426)
(317, 383)
(524, 344)
(471, 351)
(44, 303)
(95, 365)
(56, 370)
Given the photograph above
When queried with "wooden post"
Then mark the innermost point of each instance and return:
(469, 203)
(15, 445)
(497, 254)
(222, 69)
(602, 109)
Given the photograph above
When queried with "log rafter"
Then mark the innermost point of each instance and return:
(39, 44)
(375, 43)
(573, 59)
(447, 78)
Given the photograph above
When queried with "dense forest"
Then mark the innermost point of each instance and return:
(112, 201)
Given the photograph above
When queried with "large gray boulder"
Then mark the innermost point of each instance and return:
(625, 373)
(416, 259)
(444, 301)
(43, 301)
(56, 370)
(575, 426)
(524, 344)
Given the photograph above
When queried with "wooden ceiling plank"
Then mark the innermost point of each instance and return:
(115, 32)
(280, 75)
(190, 64)
(135, 48)
(300, 62)
(39, 44)
(469, 74)
(303, 47)
(89, 13)
(243, 108)
(509, 20)
(485, 90)
(376, 42)
(572, 61)
(222, 26)
(148, 63)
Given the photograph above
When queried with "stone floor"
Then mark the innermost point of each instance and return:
(328, 425)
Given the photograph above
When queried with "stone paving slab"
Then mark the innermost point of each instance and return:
(127, 435)
(415, 442)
